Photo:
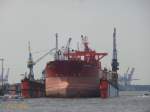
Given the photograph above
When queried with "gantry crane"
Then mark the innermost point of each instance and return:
(126, 79)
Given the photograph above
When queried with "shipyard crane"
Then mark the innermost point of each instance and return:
(3, 80)
(127, 78)
(114, 63)
(130, 76)
(6, 76)
(1, 76)
(32, 63)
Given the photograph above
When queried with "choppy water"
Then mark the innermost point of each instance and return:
(126, 102)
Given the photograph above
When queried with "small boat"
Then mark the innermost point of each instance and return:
(12, 98)
(146, 94)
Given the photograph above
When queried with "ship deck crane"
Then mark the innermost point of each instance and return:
(68, 44)
(67, 49)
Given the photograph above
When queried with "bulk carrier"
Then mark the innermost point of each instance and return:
(74, 73)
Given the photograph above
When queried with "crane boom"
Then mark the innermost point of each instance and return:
(130, 76)
(39, 59)
(31, 63)
(68, 44)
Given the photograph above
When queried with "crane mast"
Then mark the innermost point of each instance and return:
(114, 63)
(30, 64)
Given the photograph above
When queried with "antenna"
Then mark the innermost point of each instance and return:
(56, 54)
(85, 43)
(29, 48)
(56, 35)
(78, 46)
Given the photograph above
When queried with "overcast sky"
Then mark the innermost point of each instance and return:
(38, 20)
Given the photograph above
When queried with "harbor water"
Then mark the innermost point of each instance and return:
(126, 102)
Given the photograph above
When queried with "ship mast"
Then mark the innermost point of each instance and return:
(56, 53)
(56, 41)
(85, 43)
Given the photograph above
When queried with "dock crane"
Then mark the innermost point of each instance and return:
(31, 63)
(6, 76)
(114, 63)
(130, 76)
(126, 79)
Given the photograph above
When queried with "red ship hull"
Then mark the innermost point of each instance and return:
(32, 89)
(74, 73)
(70, 78)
